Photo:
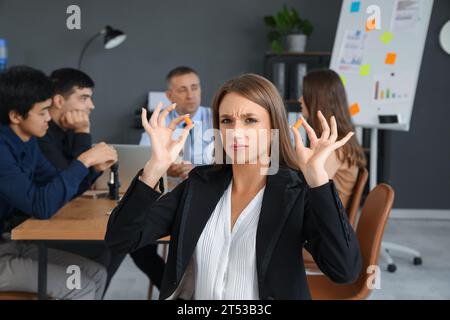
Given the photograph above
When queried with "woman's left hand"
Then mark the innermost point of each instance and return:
(312, 160)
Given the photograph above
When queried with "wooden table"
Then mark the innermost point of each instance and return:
(82, 219)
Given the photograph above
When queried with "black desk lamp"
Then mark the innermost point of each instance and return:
(112, 39)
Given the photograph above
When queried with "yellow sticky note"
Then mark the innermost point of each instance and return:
(364, 70)
(343, 79)
(386, 37)
(354, 109)
(390, 58)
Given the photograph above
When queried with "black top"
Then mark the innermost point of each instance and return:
(62, 147)
(292, 216)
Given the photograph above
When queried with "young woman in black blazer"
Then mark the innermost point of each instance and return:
(299, 205)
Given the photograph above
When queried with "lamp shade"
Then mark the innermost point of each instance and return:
(113, 37)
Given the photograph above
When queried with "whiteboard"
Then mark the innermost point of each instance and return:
(380, 67)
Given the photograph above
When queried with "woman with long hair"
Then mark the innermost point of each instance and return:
(237, 229)
(323, 90)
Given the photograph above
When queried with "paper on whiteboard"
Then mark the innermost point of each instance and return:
(388, 89)
(352, 51)
(406, 15)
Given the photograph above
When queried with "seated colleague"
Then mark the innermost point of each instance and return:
(184, 89)
(30, 184)
(69, 136)
(323, 90)
(236, 231)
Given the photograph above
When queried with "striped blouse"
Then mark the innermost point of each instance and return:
(225, 259)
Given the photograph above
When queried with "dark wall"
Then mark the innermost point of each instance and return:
(218, 38)
(221, 39)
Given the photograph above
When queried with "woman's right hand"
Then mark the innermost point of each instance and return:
(165, 150)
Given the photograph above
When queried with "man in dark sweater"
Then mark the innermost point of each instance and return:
(31, 185)
(68, 136)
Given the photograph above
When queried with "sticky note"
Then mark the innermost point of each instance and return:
(390, 58)
(354, 109)
(370, 25)
(343, 79)
(355, 6)
(386, 37)
(364, 70)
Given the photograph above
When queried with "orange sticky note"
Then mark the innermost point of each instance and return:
(354, 109)
(188, 120)
(390, 58)
(370, 25)
(298, 123)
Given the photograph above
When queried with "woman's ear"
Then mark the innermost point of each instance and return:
(15, 117)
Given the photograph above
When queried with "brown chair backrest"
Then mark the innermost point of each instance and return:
(355, 200)
(374, 215)
(18, 296)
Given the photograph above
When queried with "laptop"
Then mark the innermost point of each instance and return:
(132, 158)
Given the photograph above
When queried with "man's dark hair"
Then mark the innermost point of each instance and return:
(21, 87)
(67, 79)
(179, 71)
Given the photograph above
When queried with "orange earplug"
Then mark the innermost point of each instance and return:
(298, 123)
(188, 121)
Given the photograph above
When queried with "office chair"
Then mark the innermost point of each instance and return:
(18, 296)
(374, 215)
(352, 211)
(387, 247)
(355, 201)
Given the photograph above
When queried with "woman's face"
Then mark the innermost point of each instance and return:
(245, 129)
(305, 111)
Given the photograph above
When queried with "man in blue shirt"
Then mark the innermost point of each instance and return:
(30, 185)
(184, 89)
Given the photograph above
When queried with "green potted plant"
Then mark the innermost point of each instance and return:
(288, 31)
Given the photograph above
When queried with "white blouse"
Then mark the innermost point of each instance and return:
(225, 259)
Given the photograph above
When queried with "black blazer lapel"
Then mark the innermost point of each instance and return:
(280, 195)
(204, 192)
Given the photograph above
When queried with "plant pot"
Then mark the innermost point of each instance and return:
(296, 42)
